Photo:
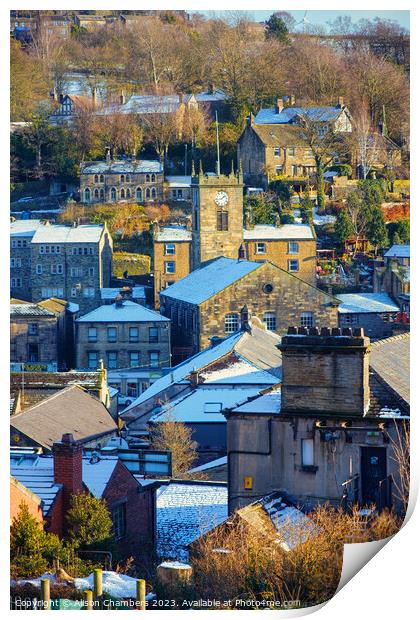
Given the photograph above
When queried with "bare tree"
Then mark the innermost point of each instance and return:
(401, 455)
(177, 438)
(359, 216)
(366, 141)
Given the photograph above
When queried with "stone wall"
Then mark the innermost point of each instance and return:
(181, 258)
(137, 180)
(46, 338)
(277, 251)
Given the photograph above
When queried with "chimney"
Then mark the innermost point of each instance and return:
(119, 301)
(250, 119)
(122, 98)
(94, 98)
(214, 341)
(194, 378)
(340, 103)
(325, 371)
(67, 459)
(126, 292)
(245, 318)
(279, 105)
(241, 252)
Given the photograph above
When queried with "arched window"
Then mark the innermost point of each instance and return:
(270, 321)
(96, 178)
(102, 194)
(153, 192)
(222, 220)
(139, 194)
(147, 178)
(153, 178)
(128, 194)
(101, 178)
(127, 178)
(122, 193)
(113, 194)
(231, 323)
(96, 193)
(87, 195)
(122, 178)
(147, 193)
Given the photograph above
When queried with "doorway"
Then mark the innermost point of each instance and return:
(373, 468)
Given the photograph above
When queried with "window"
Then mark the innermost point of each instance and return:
(33, 329)
(122, 193)
(169, 248)
(57, 269)
(268, 288)
(153, 192)
(112, 334)
(170, 266)
(113, 194)
(139, 194)
(134, 357)
(128, 194)
(260, 248)
(132, 389)
(153, 178)
(307, 451)
(133, 334)
(87, 195)
(351, 319)
(92, 359)
(96, 193)
(73, 292)
(101, 178)
(127, 178)
(153, 334)
(279, 169)
(118, 516)
(52, 292)
(122, 178)
(308, 153)
(148, 193)
(212, 407)
(15, 262)
(39, 269)
(96, 178)
(147, 178)
(88, 291)
(92, 334)
(270, 321)
(293, 264)
(231, 323)
(154, 359)
(112, 361)
(91, 271)
(294, 171)
(307, 319)
(222, 220)
(276, 151)
(293, 247)
(75, 272)
(291, 150)
(33, 352)
(102, 193)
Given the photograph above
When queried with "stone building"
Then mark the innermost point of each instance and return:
(123, 335)
(39, 334)
(375, 312)
(70, 262)
(218, 230)
(392, 275)
(135, 181)
(21, 234)
(325, 436)
(210, 301)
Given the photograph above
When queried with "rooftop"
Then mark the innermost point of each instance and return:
(173, 233)
(85, 233)
(269, 403)
(28, 309)
(178, 181)
(398, 250)
(286, 231)
(366, 303)
(209, 96)
(138, 292)
(137, 166)
(390, 359)
(319, 114)
(127, 312)
(148, 104)
(39, 480)
(209, 280)
(71, 410)
(24, 228)
(280, 135)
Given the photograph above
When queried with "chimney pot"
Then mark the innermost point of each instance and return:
(313, 331)
(359, 332)
(68, 438)
(346, 331)
(303, 331)
(292, 330)
(325, 332)
(336, 331)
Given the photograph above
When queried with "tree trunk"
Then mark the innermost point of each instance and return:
(320, 192)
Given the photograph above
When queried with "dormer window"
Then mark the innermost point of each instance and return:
(212, 407)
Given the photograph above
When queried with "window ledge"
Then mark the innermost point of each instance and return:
(309, 469)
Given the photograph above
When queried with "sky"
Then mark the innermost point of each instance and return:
(322, 17)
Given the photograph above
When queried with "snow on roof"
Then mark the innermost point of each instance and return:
(24, 228)
(184, 512)
(266, 403)
(178, 181)
(209, 280)
(286, 231)
(96, 475)
(216, 95)
(398, 250)
(182, 370)
(210, 465)
(365, 303)
(238, 372)
(203, 404)
(147, 104)
(173, 233)
(29, 310)
(72, 307)
(85, 233)
(293, 525)
(129, 311)
(133, 166)
(322, 114)
(37, 478)
(138, 292)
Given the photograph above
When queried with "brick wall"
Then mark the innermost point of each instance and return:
(67, 456)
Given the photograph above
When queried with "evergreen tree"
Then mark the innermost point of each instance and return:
(260, 209)
(376, 230)
(343, 227)
(306, 208)
(277, 29)
(403, 230)
(89, 522)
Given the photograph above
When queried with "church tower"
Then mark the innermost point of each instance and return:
(217, 216)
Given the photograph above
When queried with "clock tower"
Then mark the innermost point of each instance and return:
(217, 217)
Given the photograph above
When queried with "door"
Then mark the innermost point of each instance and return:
(373, 468)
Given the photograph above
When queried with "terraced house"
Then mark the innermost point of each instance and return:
(109, 181)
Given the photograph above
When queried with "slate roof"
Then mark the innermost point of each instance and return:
(138, 166)
(138, 292)
(24, 228)
(216, 95)
(37, 475)
(147, 104)
(173, 233)
(209, 280)
(390, 359)
(178, 181)
(85, 233)
(70, 410)
(286, 231)
(128, 312)
(29, 309)
(185, 511)
(269, 403)
(280, 135)
(320, 114)
(398, 250)
(364, 303)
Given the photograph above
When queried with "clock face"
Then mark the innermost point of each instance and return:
(221, 199)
